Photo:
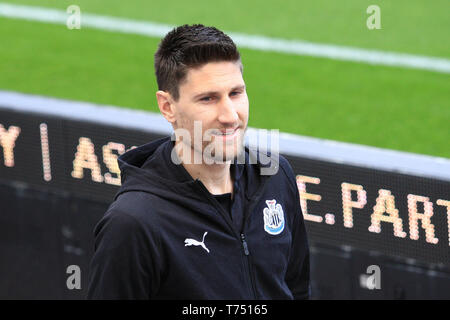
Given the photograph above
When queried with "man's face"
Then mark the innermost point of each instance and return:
(214, 96)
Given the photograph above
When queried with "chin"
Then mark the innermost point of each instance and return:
(229, 153)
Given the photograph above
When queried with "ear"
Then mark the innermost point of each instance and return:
(166, 105)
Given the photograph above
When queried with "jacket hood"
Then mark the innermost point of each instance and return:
(149, 168)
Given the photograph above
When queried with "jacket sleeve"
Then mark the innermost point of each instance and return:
(125, 260)
(297, 275)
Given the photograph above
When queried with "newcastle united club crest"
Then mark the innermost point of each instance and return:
(273, 217)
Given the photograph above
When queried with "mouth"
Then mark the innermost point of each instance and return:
(228, 134)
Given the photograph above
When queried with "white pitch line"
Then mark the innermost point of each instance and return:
(297, 47)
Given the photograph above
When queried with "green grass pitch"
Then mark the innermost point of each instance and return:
(388, 107)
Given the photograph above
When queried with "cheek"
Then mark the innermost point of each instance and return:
(196, 122)
(185, 118)
(243, 110)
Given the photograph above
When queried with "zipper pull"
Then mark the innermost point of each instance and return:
(244, 244)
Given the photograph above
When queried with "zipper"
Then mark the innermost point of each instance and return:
(249, 265)
(240, 236)
(247, 213)
(244, 245)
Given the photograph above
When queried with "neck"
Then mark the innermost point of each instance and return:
(216, 176)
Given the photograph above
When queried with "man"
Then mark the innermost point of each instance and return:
(190, 221)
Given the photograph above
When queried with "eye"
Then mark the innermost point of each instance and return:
(234, 93)
(205, 99)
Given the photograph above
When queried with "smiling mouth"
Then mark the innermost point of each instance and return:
(227, 134)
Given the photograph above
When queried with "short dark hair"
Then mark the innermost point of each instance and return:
(190, 46)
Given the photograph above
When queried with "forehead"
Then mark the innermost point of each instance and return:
(213, 76)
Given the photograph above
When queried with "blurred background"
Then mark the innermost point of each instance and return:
(341, 71)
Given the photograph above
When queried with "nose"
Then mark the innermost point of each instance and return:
(227, 112)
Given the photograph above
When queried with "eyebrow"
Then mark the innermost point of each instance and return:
(216, 92)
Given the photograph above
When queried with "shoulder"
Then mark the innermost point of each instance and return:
(283, 170)
(136, 205)
(274, 165)
(118, 231)
(288, 172)
(286, 168)
(119, 222)
(129, 216)
(268, 162)
(287, 176)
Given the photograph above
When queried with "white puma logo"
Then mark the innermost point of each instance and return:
(193, 242)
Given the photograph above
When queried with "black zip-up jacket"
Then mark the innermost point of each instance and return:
(166, 237)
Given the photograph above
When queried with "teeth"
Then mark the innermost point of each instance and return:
(227, 133)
